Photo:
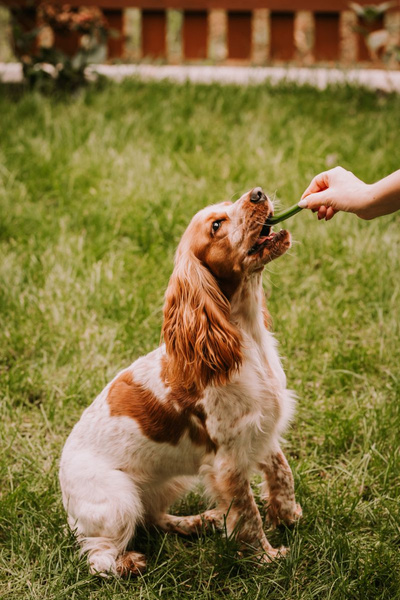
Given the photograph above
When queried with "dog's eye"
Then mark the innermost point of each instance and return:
(215, 226)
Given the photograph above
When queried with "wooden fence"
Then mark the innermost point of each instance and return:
(241, 20)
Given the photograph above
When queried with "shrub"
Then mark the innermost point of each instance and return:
(56, 52)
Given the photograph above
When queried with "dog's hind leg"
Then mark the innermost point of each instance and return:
(106, 556)
(158, 499)
(188, 525)
(104, 507)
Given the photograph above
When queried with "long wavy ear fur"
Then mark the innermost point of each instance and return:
(203, 347)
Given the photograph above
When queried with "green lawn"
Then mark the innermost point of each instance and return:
(95, 192)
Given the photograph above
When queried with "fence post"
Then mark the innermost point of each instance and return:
(260, 36)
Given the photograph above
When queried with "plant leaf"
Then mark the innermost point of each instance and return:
(377, 39)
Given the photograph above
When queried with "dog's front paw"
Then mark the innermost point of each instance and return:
(130, 563)
(294, 516)
(291, 515)
(272, 554)
(279, 512)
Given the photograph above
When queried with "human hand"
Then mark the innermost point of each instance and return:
(337, 189)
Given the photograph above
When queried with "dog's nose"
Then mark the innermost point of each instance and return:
(257, 195)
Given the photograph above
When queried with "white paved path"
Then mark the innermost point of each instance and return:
(378, 79)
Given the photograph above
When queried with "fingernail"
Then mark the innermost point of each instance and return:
(303, 203)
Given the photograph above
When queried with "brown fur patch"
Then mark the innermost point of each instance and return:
(188, 525)
(217, 254)
(203, 346)
(159, 421)
(131, 563)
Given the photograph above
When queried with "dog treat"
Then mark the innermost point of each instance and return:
(290, 212)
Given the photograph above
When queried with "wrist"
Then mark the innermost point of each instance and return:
(371, 196)
(369, 201)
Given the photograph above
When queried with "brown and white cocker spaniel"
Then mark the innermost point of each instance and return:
(212, 400)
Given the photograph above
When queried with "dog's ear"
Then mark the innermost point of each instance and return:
(203, 346)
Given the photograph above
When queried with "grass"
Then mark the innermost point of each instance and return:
(95, 192)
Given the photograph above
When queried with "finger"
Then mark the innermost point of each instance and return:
(320, 182)
(330, 213)
(316, 200)
(322, 212)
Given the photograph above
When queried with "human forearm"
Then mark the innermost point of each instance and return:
(340, 190)
(384, 197)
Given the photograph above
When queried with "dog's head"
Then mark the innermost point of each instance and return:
(223, 245)
(232, 239)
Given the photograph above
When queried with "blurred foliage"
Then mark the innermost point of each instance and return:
(78, 36)
(379, 41)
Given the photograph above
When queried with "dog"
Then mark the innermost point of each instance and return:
(210, 401)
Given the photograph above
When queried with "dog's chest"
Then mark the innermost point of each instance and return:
(248, 411)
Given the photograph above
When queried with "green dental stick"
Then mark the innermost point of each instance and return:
(290, 212)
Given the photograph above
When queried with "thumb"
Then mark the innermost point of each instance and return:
(316, 200)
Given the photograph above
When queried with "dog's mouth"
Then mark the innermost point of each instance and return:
(267, 238)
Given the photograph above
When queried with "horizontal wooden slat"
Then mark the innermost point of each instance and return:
(277, 5)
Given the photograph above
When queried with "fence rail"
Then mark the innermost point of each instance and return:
(254, 31)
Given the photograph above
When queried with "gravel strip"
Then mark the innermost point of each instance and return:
(378, 79)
